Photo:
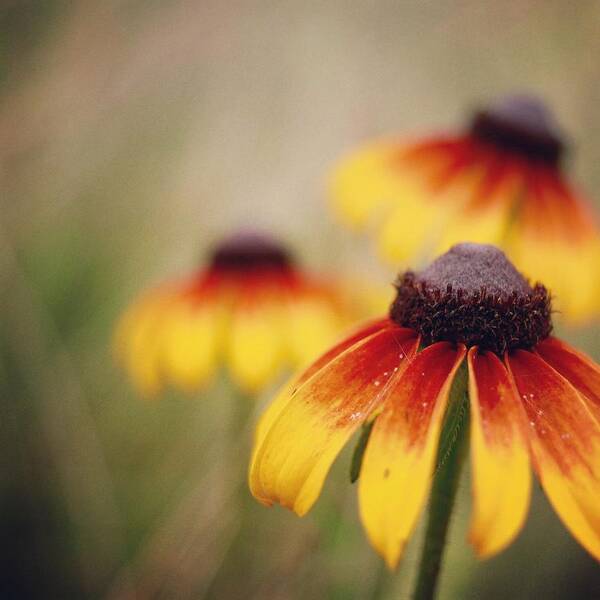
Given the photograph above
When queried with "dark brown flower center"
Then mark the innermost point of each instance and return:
(520, 124)
(475, 296)
(250, 251)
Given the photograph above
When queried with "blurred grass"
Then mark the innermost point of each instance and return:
(134, 135)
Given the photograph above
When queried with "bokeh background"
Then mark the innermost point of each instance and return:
(134, 134)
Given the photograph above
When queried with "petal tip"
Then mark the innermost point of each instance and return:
(392, 556)
(482, 550)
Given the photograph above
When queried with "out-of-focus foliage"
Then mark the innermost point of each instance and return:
(134, 134)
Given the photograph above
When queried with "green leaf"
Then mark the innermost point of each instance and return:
(456, 416)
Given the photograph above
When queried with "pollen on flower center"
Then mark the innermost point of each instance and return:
(248, 251)
(473, 295)
(520, 124)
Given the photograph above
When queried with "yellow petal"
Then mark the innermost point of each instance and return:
(370, 298)
(192, 331)
(312, 323)
(567, 269)
(296, 453)
(577, 368)
(363, 183)
(579, 296)
(138, 341)
(397, 466)
(426, 217)
(410, 229)
(274, 409)
(256, 348)
(554, 240)
(501, 478)
(434, 212)
(564, 438)
(485, 226)
(484, 200)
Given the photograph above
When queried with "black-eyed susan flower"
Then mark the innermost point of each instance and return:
(499, 182)
(534, 400)
(251, 309)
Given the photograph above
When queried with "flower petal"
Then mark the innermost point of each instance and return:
(285, 394)
(431, 212)
(283, 397)
(363, 182)
(562, 266)
(580, 370)
(554, 239)
(564, 439)
(410, 226)
(138, 340)
(294, 456)
(501, 478)
(256, 348)
(398, 462)
(312, 323)
(484, 214)
(191, 334)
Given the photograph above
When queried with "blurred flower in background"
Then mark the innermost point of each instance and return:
(251, 309)
(500, 182)
(530, 395)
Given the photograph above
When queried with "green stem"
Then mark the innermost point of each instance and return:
(451, 452)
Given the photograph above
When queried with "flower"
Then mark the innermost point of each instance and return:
(501, 182)
(251, 309)
(533, 399)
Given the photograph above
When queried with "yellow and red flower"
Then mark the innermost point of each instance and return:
(501, 182)
(533, 400)
(251, 309)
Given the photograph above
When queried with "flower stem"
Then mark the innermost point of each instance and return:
(453, 442)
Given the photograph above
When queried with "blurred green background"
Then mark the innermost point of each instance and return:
(133, 134)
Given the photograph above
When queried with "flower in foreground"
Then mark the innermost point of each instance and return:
(499, 182)
(533, 400)
(251, 309)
